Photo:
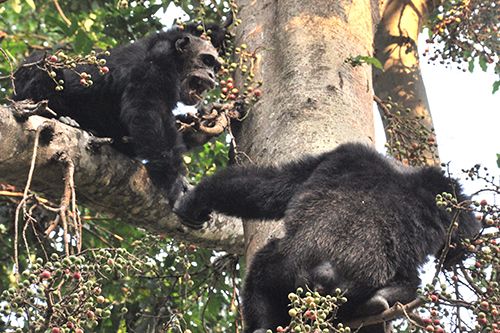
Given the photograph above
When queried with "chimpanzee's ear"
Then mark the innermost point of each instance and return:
(182, 43)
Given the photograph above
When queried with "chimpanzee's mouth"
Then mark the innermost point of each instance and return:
(198, 85)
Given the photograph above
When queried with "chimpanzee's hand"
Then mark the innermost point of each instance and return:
(192, 212)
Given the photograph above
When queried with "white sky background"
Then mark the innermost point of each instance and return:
(466, 115)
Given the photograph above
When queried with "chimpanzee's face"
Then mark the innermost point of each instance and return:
(200, 65)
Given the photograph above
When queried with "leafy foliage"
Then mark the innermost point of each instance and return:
(205, 160)
(466, 33)
(408, 140)
(150, 281)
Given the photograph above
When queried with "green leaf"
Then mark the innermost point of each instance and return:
(471, 65)
(498, 160)
(63, 27)
(496, 86)
(483, 63)
(73, 28)
(31, 3)
(16, 6)
(374, 62)
(83, 44)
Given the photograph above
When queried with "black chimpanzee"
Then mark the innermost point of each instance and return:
(135, 99)
(354, 220)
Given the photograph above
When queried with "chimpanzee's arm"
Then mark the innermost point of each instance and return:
(151, 125)
(248, 192)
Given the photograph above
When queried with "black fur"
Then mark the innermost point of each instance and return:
(132, 103)
(218, 32)
(354, 220)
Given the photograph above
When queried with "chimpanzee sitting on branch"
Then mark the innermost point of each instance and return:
(134, 99)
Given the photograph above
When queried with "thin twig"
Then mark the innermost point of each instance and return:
(40, 241)
(74, 208)
(446, 248)
(109, 232)
(382, 105)
(66, 198)
(471, 283)
(39, 200)
(22, 203)
(62, 214)
(61, 13)
(412, 317)
(234, 301)
(11, 74)
(457, 295)
(102, 239)
(29, 220)
(237, 153)
(52, 226)
(396, 311)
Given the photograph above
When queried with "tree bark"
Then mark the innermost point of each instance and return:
(106, 181)
(312, 99)
(396, 47)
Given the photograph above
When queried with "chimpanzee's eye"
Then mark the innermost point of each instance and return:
(209, 60)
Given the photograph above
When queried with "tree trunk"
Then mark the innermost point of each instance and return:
(312, 100)
(396, 42)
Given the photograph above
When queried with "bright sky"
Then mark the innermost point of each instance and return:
(466, 115)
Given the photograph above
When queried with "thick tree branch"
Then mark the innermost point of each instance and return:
(395, 44)
(105, 180)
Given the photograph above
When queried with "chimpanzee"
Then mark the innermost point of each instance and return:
(134, 99)
(354, 220)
